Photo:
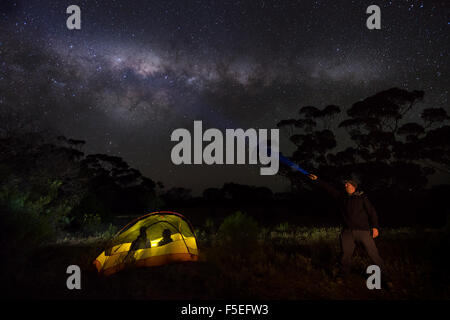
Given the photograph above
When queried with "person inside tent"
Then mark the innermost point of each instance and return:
(141, 242)
(360, 224)
(166, 234)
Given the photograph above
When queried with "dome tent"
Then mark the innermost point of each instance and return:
(154, 239)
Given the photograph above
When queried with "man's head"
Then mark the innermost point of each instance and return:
(350, 186)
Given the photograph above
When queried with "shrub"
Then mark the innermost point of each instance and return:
(91, 223)
(207, 233)
(33, 216)
(239, 231)
(109, 232)
(209, 226)
(30, 217)
(282, 227)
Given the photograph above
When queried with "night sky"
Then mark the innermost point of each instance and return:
(137, 70)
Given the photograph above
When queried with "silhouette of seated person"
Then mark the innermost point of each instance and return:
(141, 242)
(166, 234)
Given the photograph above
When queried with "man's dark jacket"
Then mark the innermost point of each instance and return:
(356, 209)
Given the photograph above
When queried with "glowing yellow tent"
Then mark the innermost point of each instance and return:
(151, 240)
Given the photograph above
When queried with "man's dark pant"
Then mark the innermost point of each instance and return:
(348, 244)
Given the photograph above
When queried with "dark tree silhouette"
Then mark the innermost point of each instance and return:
(386, 150)
(177, 195)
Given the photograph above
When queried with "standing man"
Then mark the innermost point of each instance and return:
(360, 224)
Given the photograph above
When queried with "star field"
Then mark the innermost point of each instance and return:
(137, 70)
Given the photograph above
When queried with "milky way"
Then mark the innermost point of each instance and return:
(137, 70)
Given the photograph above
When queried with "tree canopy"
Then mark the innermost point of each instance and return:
(386, 149)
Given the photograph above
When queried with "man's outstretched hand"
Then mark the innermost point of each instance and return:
(374, 232)
(312, 176)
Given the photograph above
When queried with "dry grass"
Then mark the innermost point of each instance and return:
(287, 263)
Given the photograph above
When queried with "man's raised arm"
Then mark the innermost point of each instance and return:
(326, 186)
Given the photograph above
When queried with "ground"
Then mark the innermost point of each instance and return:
(295, 263)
